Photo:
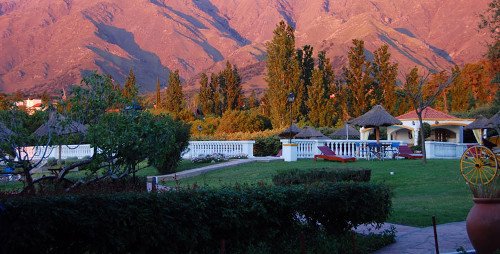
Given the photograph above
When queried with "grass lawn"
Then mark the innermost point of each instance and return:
(148, 171)
(420, 191)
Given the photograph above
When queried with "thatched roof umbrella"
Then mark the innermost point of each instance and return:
(5, 132)
(480, 123)
(347, 131)
(290, 131)
(375, 118)
(494, 121)
(310, 133)
(58, 125)
(477, 127)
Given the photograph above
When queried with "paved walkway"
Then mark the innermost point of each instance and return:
(202, 170)
(411, 240)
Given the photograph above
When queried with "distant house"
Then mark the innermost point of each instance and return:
(444, 127)
(31, 105)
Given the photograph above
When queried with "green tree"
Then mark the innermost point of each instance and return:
(385, 74)
(158, 94)
(232, 93)
(130, 90)
(359, 80)
(282, 76)
(174, 101)
(206, 96)
(306, 66)
(217, 97)
(321, 108)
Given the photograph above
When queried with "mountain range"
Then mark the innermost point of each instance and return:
(49, 44)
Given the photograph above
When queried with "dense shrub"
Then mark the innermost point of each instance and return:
(296, 176)
(267, 146)
(187, 221)
(239, 135)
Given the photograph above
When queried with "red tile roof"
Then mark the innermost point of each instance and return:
(428, 113)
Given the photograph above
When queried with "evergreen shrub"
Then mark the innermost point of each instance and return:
(296, 176)
(188, 220)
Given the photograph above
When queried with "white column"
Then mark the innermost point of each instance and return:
(460, 138)
(248, 148)
(289, 151)
(416, 133)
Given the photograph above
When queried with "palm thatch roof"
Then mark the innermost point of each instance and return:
(310, 133)
(494, 121)
(59, 126)
(290, 131)
(376, 117)
(480, 123)
(346, 130)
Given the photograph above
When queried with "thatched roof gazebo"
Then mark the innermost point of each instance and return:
(347, 131)
(494, 121)
(60, 126)
(5, 132)
(375, 118)
(290, 132)
(477, 128)
(310, 133)
(480, 123)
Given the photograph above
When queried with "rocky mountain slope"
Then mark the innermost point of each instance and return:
(48, 44)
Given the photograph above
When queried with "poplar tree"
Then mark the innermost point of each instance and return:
(206, 96)
(217, 100)
(306, 65)
(130, 89)
(359, 80)
(174, 101)
(253, 101)
(232, 88)
(158, 93)
(283, 76)
(385, 74)
(321, 108)
(459, 92)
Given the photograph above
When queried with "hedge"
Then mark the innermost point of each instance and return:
(187, 221)
(296, 176)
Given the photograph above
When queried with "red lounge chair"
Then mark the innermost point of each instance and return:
(330, 155)
(406, 152)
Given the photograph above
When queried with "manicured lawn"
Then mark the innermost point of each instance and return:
(420, 191)
(148, 171)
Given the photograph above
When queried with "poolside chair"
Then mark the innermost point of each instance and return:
(328, 154)
(406, 152)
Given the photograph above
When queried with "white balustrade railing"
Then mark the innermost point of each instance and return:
(67, 151)
(307, 148)
(228, 148)
(445, 150)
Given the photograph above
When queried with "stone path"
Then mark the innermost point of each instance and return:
(202, 170)
(412, 240)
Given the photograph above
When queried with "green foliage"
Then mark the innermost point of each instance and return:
(205, 127)
(231, 89)
(206, 96)
(169, 140)
(306, 66)
(297, 176)
(359, 80)
(243, 121)
(188, 221)
(174, 98)
(88, 103)
(321, 107)
(282, 76)
(266, 146)
(130, 90)
(385, 75)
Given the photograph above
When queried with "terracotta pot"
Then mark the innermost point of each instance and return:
(483, 225)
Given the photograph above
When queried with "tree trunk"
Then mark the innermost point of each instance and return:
(29, 181)
(422, 137)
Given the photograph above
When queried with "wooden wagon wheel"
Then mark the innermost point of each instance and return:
(478, 165)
